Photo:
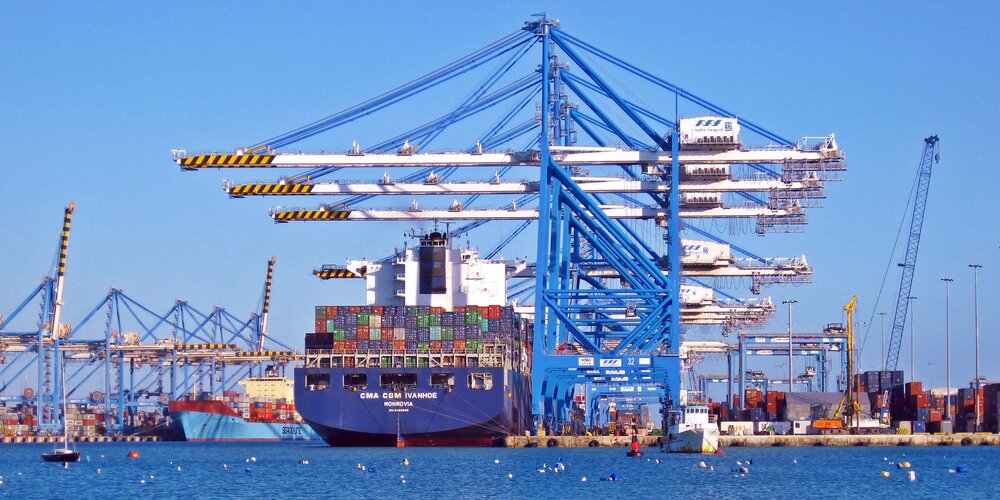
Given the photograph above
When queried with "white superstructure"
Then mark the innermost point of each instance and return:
(435, 274)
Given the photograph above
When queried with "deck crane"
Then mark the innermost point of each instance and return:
(927, 159)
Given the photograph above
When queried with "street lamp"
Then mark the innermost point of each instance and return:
(791, 370)
(975, 383)
(947, 344)
(882, 335)
(913, 371)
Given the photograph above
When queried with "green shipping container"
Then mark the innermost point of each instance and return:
(386, 362)
(447, 333)
(363, 319)
(422, 322)
(423, 363)
(338, 334)
(410, 362)
(320, 312)
(375, 333)
(435, 320)
(423, 346)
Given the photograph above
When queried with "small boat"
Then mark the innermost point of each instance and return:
(692, 430)
(61, 455)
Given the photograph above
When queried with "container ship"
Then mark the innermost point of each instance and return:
(265, 412)
(436, 357)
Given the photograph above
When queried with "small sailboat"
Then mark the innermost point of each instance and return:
(64, 454)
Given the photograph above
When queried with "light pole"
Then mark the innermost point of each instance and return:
(882, 335)
(975, 383)
(913, 371)
(791, 369)
(947, 345)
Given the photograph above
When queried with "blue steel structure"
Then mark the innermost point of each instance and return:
(625, 323)
(909, 264)
(145, 358)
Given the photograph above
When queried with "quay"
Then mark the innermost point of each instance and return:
(83, 439)
(957, 439)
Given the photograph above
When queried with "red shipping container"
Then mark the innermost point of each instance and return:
(459, 345)
(349, 362)
(435, 346)
(914, 388)
(338, 345)
(320, 326)
(437, 310)
(378, 310)
(364, 332)
(351, 345)
(460, 309)
(353, 309)
(935, 416)
(331, 311)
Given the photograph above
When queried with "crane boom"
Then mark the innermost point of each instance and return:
(61, 269)
(929, 157)
(266, 303)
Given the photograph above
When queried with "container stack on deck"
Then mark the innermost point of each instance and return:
(410, 328)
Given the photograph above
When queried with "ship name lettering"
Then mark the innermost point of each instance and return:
(369, 395)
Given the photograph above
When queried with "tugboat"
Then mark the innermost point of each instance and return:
(692, 429)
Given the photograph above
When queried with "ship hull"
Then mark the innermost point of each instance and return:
(226, 425)
(420, 414)
(701, 440)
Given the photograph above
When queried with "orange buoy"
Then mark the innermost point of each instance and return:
(133, 454)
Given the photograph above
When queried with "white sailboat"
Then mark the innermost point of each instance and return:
(64, 454)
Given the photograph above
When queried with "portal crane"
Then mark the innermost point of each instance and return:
(929, 157)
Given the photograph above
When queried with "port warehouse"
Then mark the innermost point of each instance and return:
(709, 165)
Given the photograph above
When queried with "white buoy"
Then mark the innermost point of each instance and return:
(911, 475)
(702, 465)
(142, 481)
(178, 468)
(496, 460)
(510, 476)
(583, 479)
(225, 466)
(98, 471)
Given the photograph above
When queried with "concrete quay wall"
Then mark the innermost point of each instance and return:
(962, 439)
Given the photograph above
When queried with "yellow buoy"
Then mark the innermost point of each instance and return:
(884, 473)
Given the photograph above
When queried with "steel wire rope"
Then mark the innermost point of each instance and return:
(892, 254)
(424, 82)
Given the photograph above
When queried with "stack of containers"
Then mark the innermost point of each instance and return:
(753, 398)
(364, 329)
(991, 411)
(775, 404)
(965, 409)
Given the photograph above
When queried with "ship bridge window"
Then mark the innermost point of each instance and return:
(317, 381)
(399, 381)
(481, 381)
(355, 381)
(444, 381)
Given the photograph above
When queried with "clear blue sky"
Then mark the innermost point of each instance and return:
(96, 96)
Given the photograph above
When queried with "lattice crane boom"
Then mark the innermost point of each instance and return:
(927, 159)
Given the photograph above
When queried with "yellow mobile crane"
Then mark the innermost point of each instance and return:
(852, 415)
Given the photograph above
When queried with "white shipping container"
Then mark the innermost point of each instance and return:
(710, 130)
(704, 253)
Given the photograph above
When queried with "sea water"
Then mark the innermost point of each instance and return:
(252, 470)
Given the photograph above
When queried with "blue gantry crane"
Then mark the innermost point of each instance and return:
(927, 160)
(608, 278)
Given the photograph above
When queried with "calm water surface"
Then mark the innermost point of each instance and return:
(222, 471)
